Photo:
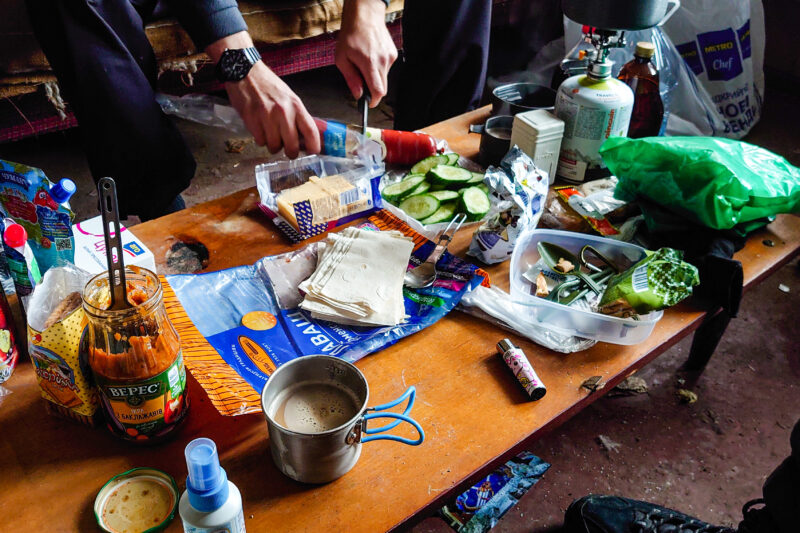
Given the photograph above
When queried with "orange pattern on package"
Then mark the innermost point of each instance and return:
(229, 393)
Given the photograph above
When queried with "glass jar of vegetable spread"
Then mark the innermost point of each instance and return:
(135, 356)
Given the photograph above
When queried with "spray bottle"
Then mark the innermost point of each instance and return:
(210, 502)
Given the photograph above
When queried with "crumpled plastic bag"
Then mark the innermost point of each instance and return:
(713, 182)
(517, 189)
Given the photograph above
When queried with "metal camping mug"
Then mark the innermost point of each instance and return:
(324, 456)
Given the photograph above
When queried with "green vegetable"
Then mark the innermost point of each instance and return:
(475, 203)
(452, 159)
(410, 175)
(477, 177)
(449, 176)
(445, 196)
(398, 191)
(420, 206)
(422, 188)
(428, 163)
(443, 214)
(483, 187)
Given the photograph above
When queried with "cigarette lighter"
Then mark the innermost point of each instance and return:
(515, 360)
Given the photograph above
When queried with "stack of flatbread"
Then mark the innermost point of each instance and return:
(359, 278)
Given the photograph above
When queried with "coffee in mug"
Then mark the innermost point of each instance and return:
(314, 407)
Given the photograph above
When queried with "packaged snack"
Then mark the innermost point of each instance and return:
(56, 324)
(658, 281)
(26, 197)
(8, 346)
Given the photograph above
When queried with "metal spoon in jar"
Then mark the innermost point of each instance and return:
(107, 192)
(425, 274)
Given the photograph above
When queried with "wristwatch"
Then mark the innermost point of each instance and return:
(235, 63)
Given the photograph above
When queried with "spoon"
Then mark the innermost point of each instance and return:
(551, 253)
(425, 274)
(107, 191)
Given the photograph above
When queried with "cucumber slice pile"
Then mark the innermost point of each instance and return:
(420, 206)
(436, 189)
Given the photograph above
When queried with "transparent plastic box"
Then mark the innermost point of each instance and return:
(567, 320)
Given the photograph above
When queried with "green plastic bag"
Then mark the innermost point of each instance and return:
(714, 182)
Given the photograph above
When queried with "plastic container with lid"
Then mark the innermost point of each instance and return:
(538, 133)
(567, 320)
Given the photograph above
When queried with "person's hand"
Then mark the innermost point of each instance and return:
(364, 49)
(272, 112)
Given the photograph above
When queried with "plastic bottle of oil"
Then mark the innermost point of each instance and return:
(642, 77)
(594, 106)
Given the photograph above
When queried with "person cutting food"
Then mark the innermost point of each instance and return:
(107, 70)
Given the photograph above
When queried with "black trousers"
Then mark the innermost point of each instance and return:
(445, 50)
(107, 70)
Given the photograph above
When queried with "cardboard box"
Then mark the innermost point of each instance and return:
(90, 247)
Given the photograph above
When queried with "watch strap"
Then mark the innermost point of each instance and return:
(252, 55)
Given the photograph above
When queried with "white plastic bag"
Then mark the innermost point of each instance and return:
(722, 43)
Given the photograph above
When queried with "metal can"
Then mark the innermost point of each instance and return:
(594, 107)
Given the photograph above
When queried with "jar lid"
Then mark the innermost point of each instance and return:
(645, 49)
(141, 499)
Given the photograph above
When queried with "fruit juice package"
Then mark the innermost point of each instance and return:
(25, 197)
(56, 331)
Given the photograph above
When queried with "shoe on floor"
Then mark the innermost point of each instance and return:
(613, 514)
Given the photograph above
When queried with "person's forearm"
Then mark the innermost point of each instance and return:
(241, 39)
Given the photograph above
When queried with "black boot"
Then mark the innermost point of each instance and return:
(612, 514)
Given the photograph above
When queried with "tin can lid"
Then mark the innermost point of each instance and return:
(141, 499)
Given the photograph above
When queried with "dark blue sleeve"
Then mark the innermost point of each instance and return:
(207, 21)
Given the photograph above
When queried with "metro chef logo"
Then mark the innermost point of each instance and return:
(720, 52)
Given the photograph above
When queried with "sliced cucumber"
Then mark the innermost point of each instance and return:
(428, 163)
(422, 188)
(443, 214)
(410, 176)
(452, 159)
(438, 187)
(397, 191)
(475, 203)
(445, 196)
(420, 206)
(449, 176)
(483, 187)
(477, 177)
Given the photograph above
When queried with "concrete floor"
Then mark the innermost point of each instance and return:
(706, 459)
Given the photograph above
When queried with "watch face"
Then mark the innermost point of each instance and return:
(234, 65)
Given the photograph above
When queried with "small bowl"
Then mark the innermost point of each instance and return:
(514, 98)
(161, 479)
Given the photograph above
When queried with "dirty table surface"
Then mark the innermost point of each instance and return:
(473, 411)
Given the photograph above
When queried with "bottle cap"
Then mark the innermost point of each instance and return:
(63, 190)
(15, 236)
(505, 345)
(645, 49)
(207, 483)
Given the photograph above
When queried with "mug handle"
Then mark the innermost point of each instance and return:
(410, 393)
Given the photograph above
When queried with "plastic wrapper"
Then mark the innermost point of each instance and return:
(495, 305)
(364, 173)
(25, 198)
(717, 183)
(658, 281)
(479, 508)
(56, 323)
(233, 361)
(518, 190)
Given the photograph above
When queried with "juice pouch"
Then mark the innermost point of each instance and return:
(56, 331)
(25, 197)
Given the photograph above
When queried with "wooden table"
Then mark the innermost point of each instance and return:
(474, 413)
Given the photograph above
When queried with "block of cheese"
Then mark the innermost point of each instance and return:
(330, 198)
